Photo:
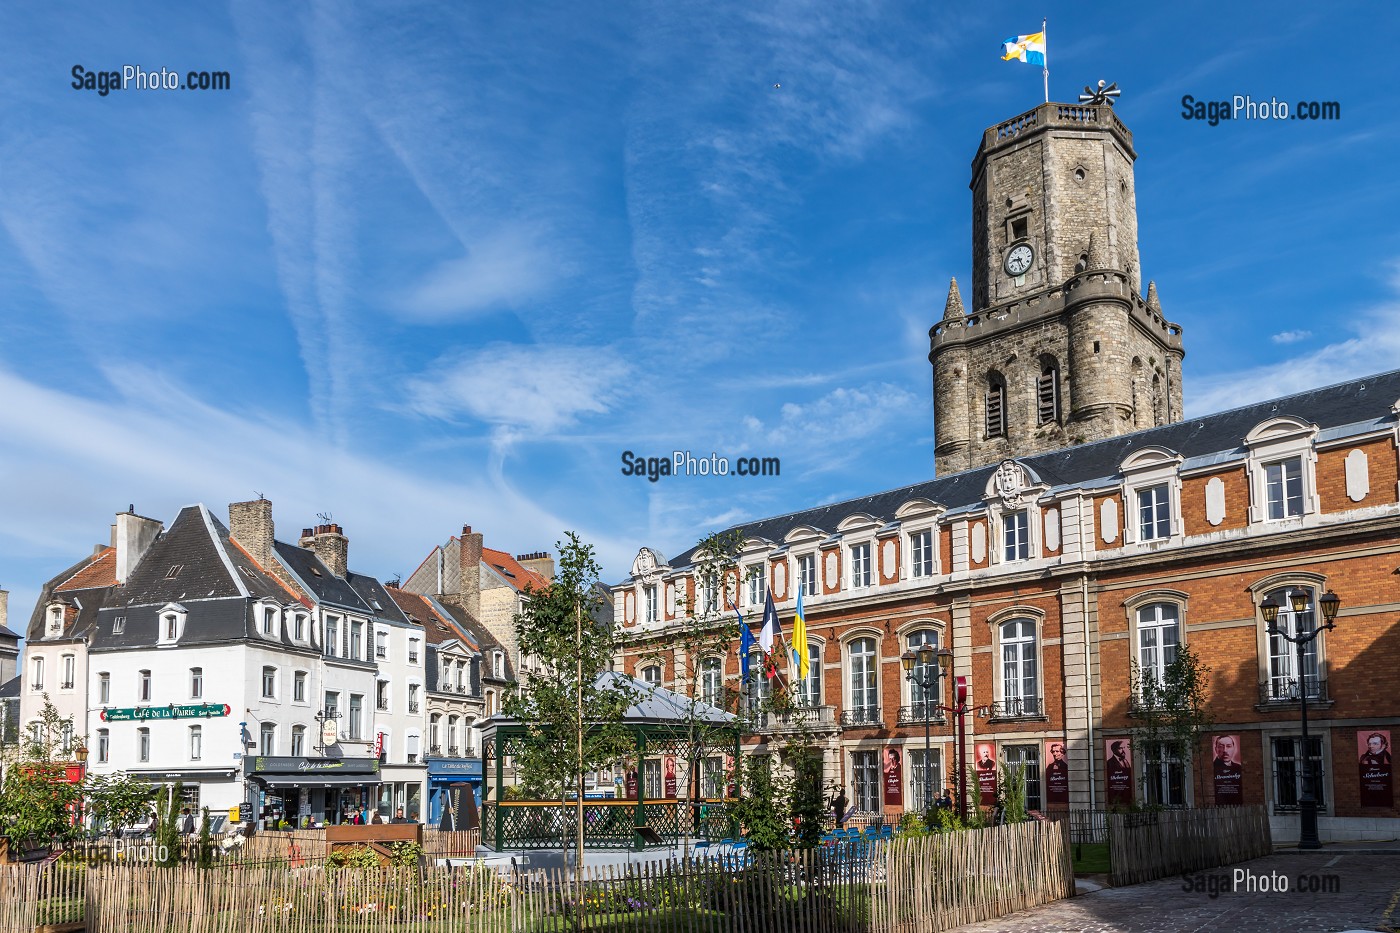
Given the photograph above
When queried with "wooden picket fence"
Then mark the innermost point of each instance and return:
(902, 886)
(1146, 846)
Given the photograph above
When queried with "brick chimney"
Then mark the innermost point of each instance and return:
(329, 543)
(132, 536)
(539, 561)
(250, 524)
(471, 571)
(4, 608)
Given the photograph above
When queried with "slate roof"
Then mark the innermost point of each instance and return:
(1349, 407)
(35, 629)
(438, 624)
(318, 579)
(10, 689)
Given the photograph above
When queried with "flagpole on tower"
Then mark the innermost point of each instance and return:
(1045, 64)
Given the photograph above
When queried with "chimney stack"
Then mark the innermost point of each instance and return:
(329, 543)
(4, 608)
(471, 571)
(132, 536)
(540, 562)
(250, 524)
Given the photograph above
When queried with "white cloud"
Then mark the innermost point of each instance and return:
(501, 270)
(823, 433)
(1375, 347)
(1291, 336)
(532, 389)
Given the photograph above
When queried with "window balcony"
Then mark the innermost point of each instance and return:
(413, 657)
(382, 705)
(1017, 708)
(865, 716)
(413, 706)
(797, 719)
(434, 749)
(913, 715)
(461, 688)
(451, 751)
(1285, 690)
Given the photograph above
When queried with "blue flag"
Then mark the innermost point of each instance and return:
(746, 643)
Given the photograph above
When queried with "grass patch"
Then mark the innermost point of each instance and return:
(1090, 858)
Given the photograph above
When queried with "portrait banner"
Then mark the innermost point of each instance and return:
(1118, 772)
(894, 776)
(1056, 773)
(987, 773)
(1227, 770)
(669, 763)
(1374, 768)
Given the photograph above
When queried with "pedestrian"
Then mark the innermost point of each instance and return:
(186, 823)
(399, 817)
(839, 806)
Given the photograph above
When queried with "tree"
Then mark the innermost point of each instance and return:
(1171, 712)
(705, 632)
(572, 715)
(39, 804)
(117, 800)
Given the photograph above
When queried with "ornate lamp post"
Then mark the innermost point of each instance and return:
(926, 675)
(1330, 603)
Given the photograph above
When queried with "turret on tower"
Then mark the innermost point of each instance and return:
(1059, 346)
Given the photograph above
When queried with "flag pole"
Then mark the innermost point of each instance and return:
(1045, 65)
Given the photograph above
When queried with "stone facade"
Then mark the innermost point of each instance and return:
(1062, 348)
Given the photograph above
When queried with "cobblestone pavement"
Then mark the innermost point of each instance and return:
(1366, 896)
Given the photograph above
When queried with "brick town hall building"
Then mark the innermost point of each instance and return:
(1080, 526)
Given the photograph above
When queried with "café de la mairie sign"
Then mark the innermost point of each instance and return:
(173, 711)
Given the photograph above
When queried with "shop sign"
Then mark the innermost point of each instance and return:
(142, 713)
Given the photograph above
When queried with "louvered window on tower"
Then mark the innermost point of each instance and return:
(996, 410)
(1047, 395)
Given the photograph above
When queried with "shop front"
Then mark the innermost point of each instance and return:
(302, 792)
(442, 774)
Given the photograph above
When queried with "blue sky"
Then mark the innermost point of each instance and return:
(432, 264)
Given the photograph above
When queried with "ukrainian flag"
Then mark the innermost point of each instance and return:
(1029, 49)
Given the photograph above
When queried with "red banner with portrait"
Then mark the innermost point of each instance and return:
(669, 764)
(1118, 772)
(1374, 768)
(1227, 769)
(986, 767)
(894, 776)
(1056, 774)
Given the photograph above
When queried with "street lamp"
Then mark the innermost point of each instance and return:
(926, 676)
(1298, 600)
(81, 753)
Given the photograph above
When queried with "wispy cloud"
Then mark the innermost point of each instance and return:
(1291, 336)
(1374, 346)
(504, 270)
(827, 432)
(536, 390)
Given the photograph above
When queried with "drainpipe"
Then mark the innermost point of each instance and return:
(1088, 686)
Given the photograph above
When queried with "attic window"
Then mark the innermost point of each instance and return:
(118, 625)
(316, 570)
(174, 571)
(504, 571)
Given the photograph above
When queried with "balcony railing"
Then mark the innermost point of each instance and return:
(382, 704)
(413, 657)
(413, 706)
(1016, 708)
(914, 714)
(461, 688)
(862, 716)
(1285, 689)
(434, 749)
(802, 717)
(451, 751)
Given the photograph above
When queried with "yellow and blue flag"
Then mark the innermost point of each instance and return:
(1029, 49)
(799, 639)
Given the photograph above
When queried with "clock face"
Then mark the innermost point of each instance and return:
(1019, 260)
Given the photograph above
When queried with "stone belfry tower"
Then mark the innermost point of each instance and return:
(1057, 344)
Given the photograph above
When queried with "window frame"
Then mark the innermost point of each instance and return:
(1272, 442)
(859, 557)
(197, 683)
(268, 682)
(925, 565)
(195, 739)
(1016, 707)
(866, 691)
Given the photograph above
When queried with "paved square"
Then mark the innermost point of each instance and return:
(1365, 896)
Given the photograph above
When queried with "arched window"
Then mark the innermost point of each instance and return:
(923, 671)
(711, 680)
(1047, 393)
(1159, 402)
(1286, 681)
(865, 696)
(1158, 638)
(995, 406)
(1020, 675)
(651, 674)
(809, 689)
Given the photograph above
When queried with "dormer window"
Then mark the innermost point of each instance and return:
(1016, 539)
(53, 626)
(1283, 488)
(1282, 466)
(170, 624)
(498, 664)
(860, 565)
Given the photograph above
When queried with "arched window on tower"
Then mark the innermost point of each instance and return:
(1047, 393)
(1159, 401)
(1139, 394)
(996, 406)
